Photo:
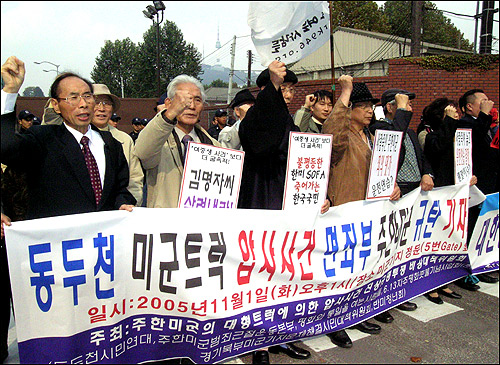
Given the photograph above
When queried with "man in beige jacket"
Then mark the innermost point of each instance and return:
(162, 143)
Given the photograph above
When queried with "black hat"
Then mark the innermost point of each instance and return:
(115, 117)
(390, 94)
(241, 97)
(360, 92)
(25, 114)
(264, 77)
(36, 121)
(145, 121)
(162, 98)
(220, 113)
(137, 121)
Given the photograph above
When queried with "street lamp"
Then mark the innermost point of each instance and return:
(150, 13)
(53, 64)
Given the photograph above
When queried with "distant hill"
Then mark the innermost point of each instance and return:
(212, 73)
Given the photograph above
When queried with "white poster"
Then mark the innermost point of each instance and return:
(308, 170)
(288, 31)
(463, 156)
(212, 177)
(384, 164)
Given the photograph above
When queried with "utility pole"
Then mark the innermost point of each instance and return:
(416, 27)
(475, 29)
(249, 80)
(486, 37)
(231, 73)
(332, 48)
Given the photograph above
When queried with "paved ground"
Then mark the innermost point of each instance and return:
(460, 331)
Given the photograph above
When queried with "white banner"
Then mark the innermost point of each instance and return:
(211, 178)
(307, 170)
(463, 156)
(288, 31)
(384, 164)
(120, 287)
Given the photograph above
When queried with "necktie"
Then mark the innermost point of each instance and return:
(185, 140)
(91, 163)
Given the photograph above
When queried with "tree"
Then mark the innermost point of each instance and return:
(176, 57)
(437, 28)
(33, 91)
(117, 62)
(220, 83)
(364, 15)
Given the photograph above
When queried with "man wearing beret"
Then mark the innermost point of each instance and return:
(414, 169)
(229, 136)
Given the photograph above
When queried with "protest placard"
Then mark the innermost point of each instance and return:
(384, 164)
(211, 178)
(153, 284)
(463, 156)
(308, 170)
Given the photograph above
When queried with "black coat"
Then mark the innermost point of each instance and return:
(264, 135)
(57, 176)
(485, 158)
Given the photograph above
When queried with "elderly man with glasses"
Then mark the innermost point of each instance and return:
(72, 168)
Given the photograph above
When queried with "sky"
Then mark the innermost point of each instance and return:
(71, 33)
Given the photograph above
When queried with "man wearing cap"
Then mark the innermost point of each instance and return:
(162, 145)
(414, 169)
(25, 120)
(106, 104)
(220, 120)
(137, 128)
(113, 121)
(229, 136)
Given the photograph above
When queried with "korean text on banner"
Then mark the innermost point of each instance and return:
(153, 284)
(308, 170)
(463, 156)
(211, 177)
(288, 31)
(483, 247)
(384, 164)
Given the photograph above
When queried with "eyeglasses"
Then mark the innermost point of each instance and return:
(104, 103)
(74, 100)
(289, 89)
(367, 105)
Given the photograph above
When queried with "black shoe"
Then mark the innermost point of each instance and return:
(260, 357)
(485, 278)
(467, 285)
(367, 327)
(450, 295)
(384, 317)
(340, 338)
(436, 300)
(291, 350)
(407, 306)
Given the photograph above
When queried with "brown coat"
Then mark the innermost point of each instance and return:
(351, 156)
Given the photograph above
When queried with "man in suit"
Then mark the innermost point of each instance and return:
(71, 168)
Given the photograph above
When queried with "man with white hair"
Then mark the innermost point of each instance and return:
(161, 145)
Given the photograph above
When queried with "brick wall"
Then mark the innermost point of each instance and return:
(427, 84)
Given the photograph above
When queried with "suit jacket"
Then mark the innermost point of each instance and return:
(57, 176)
(264, 135)
(159, 149)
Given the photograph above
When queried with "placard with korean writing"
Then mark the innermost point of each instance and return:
(288, 31)
(308, 170)
(384, 164)
(212, 177)
(463, 156)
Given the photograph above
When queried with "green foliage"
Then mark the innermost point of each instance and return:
(437, 28)
(33, 91)
(220, 83)
(136, 64)
(364, 15)
(117, 60)
(455, 63)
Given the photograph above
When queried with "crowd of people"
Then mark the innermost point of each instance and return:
(78, 161)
